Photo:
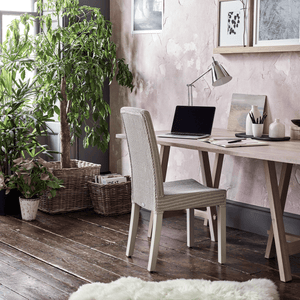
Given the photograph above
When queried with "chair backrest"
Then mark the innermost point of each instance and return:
(147, 182)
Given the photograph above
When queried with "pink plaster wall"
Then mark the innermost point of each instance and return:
(162, 65)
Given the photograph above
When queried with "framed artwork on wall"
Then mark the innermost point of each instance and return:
(147, 16)
(235, 19)
(276, 22)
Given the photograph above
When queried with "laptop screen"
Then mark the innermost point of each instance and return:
(193, 119)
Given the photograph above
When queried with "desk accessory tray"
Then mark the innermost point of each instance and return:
(264, 137)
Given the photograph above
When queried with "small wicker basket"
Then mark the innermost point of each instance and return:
(75, 195)
(111, 199)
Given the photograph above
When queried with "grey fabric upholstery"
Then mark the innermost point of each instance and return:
(189, 193)
(148, 189)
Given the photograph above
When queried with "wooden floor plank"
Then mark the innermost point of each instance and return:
(39, 270)
(28, 286)
(41, 266)
(8, 294)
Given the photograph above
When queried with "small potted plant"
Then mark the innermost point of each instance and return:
(33, 179)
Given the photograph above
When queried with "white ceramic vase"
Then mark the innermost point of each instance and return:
(29, 208)
(276, 129)
(256, 113)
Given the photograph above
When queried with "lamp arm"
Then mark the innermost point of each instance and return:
(199, 77)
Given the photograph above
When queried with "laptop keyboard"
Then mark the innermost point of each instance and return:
(182, 136)
(185, 133)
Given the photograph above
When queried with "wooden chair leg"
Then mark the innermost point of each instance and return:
(190, 227)
(221, 220)
(134, 220)
(157, 224)
(150, 225)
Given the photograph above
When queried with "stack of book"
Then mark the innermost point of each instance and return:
(110, 179)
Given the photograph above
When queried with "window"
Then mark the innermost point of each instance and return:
(17, 5)
(13, 9)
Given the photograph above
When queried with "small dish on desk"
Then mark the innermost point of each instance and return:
(264, 137)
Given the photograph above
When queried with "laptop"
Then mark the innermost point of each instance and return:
(191, 122)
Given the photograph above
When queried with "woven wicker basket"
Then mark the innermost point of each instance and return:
(75, 195)
(111, 199)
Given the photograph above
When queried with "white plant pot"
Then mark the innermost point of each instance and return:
(29, 208)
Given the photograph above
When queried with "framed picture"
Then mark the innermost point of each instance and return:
(235, 22)
(147, 16)
(276, 22)
(240, 107)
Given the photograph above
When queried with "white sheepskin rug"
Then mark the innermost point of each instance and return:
(129, 288)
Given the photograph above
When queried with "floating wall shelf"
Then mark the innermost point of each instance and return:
(266, 49)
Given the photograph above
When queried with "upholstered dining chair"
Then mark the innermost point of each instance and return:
(150, 192)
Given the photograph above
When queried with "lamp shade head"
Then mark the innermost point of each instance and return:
(219, 74)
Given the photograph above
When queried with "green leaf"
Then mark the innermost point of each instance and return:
(95, 116)
(57, 110)
(53, 193)
(23, 75)
(52, 184)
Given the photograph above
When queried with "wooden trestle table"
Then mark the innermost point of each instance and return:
(285, 152)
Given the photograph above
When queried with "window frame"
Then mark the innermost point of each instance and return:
(17, 13)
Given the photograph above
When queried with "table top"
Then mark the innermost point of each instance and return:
(282, 151)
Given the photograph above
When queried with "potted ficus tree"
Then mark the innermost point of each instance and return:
(75, 57)
(21, 122)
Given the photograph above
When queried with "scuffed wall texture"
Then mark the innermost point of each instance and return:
(164, 63)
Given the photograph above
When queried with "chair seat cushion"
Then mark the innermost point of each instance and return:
(185, 186)
(189, 193)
